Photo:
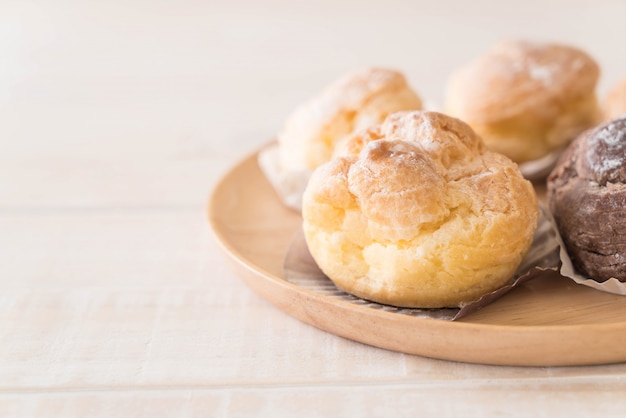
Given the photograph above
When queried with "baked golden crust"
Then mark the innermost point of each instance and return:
(418, 213)
(615, 102)
(526, 99)
(356, 101)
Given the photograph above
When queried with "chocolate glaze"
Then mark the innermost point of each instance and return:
(587, 197)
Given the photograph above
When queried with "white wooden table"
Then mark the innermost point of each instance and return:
(117, 118)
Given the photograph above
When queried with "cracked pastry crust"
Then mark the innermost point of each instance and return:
(356, 101)
(615, 102)
(587, 198)
(417, 212)
(526, 99)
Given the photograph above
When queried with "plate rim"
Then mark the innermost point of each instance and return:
(259, 274)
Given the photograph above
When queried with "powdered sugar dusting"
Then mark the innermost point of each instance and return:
(608, 164)
(542, 73)
(427, 131)
(515, 58)
(609, 135)
(399, 147)
(605, 153)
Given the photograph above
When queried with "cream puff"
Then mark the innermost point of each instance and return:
(615, 101)
(314, 130)
(526, 100)
(356, 101)
(587, 198)
(417, 212)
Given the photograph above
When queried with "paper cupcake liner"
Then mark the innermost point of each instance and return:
(300, 269)
(568, 270)
(289, 185)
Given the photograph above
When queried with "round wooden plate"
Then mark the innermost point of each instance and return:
(548, 321)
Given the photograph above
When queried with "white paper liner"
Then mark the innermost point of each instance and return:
(289, 185)
(568, 270)
(301, 270)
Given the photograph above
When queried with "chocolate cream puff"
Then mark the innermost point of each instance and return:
(587, 198)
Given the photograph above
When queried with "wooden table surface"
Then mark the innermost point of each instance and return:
(117, 118)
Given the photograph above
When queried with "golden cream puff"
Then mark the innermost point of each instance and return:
(526, 99)
(417, 212)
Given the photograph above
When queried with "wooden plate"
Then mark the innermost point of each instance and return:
(548, 321)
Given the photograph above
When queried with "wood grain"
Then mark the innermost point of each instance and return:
(470, 398)
(116, 121)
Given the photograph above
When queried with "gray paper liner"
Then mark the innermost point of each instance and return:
(567, 269)
(301, 270)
